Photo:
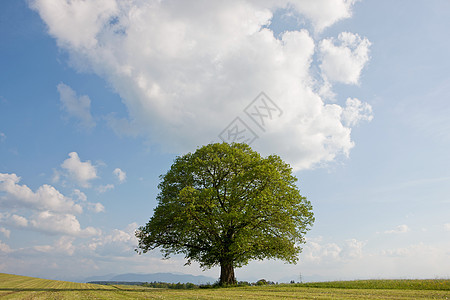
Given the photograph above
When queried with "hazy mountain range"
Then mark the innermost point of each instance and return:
(185, 278)
(159, 277)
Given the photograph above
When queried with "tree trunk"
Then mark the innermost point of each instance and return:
(227, 273)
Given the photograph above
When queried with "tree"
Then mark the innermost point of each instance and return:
(226, 205)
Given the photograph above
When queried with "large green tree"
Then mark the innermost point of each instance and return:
(226, 205)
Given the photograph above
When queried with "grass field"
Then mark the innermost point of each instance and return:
(21, 287)
(405, 284)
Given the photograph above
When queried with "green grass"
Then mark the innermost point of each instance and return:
(403, 284)
(21, 287)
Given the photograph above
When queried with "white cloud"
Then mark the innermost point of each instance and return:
(81, 172)
(45, 198)
(76, 107)
(96, 207)
(43, 248)
(118, 242)
(352, 249)
(356, 111)
(63, 245)
(104, 188)
(80, 195)
(52, 222)
(86, 18)
(2, 137)
(324, 13)
(184, 81)
(344, 62)
(4, 248)
(317, 251)
(18, 221)
(6, 232)
(399, 229)
(68, 224)
(51, 211)
(121, 175)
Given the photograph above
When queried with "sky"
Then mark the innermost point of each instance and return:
(97, 98)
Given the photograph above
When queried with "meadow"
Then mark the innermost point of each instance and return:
(22, 287)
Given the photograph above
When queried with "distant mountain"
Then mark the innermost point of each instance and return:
(161, 277)
(96, 278)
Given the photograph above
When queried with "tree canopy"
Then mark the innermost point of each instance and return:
(225, 205)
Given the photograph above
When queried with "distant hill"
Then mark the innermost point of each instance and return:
(96, 278)
(159, 277)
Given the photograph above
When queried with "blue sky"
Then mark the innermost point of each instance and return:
(97, 99)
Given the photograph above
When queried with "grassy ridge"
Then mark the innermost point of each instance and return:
(402, 284)
(21, 287)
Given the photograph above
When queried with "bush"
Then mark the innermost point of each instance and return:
(262, 282)
(165, 285)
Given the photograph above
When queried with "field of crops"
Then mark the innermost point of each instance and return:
(21, 287)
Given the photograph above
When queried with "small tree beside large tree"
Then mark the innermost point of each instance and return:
(225, 205)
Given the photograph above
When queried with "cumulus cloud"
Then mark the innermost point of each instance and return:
(81, 172)
(121, 175)
(76, 107)
(345, 61)
(80, 195)
(47, 210)
(4, 248)
(18, 221)
(96, 207)
(324, 13)
(51, 222)
(45, 198)
(118, 242)
(68, 224)
(356, 111)
(86, 18)
(184, 76)
(63, 245)
(317, 251)
(399, 229)
(6, 232)
(352, 249)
